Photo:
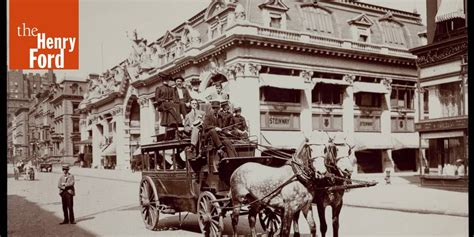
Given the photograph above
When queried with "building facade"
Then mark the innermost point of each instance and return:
(293, 66)
(19, 135)
(443, 116)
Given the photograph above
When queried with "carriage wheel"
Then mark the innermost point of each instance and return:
(149, 203)
(270, 220)
(211, 222)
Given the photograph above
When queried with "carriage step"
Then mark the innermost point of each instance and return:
(168, 211)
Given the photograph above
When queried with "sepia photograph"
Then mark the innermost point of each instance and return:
(237, 118)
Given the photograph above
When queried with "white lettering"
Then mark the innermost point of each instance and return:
(72, 43)
(41, 41)
(32, 57)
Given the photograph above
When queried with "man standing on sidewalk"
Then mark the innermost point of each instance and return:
(67, 192)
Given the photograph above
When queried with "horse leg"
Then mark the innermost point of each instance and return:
(252, 220)
(336, 210)
(322, 217)
(286, 222)
(235, 214)
(296, 228)
(308, 215)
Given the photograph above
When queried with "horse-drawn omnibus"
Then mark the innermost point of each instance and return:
(174, 181)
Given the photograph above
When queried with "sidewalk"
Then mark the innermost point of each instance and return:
(403, 194)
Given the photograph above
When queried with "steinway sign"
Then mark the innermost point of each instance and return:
(460, 123)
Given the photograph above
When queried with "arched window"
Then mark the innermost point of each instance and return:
(393, 33)
(318, 20)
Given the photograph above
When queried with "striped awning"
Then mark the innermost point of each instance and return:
(450, 9)
(331, 81)
(369, 141)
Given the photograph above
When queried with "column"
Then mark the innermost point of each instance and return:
(122, 141)
(386, 126)
(96, 149)
(306, 116)
(147, 121)
(348, 116)
(245, 92)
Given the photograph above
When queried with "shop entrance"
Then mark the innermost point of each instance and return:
(404, 159)
(369, 161)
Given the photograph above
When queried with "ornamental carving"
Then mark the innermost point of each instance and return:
(349, 78)
(306, 75)
(234, 71)
(253, 69)
(191, 37)
(440, 54)
(387, 82)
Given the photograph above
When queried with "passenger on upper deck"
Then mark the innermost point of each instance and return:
(239, 127)
(212, 127)
(219, 95)
(165, 97)
(193, 121)
(183, 97)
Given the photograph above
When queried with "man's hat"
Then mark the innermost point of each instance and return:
(65, 167)
(197, 122)
(215, 104)
(224, 103)
(238, 109)
(178, 78)
(195, 81)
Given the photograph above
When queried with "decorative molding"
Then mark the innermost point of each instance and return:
(389, 17)
(315, 4)
(387, 82)
(252, 69)
(362, 19)
(234, 71)
(439, 54)
(307, 76)
(274, 5)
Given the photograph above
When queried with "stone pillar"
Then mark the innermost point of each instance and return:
(387, 161)
(96, 149)
(348, 107)
(122, 142)
(434, 103)
(386, 125)
(306, 116)
(147, 121)
(245, 92)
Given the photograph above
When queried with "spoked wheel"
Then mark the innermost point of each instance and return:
(210, 219)
(149, 203)
(270, 221)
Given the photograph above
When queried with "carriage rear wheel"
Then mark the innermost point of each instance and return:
(210, 219)
(270, 220)
(149, 203)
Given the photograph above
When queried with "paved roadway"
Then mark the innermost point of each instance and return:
(106, 207)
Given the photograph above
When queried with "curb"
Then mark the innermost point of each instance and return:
(410, 210)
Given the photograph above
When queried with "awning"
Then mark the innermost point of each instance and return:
(450, 79)
(109, 150)
(370, 87)
(282, 139)
(450, 9)
(85, 142)
(366, 141)
(407, 141)
(331, 81)
(137, 152)
(284, 82)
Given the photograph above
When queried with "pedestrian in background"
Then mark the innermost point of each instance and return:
(67, 192)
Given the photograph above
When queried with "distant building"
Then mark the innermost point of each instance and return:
(443, 93)
(19, 135)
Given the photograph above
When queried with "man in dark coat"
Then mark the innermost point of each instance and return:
(165, 97)
(67, 192)
(225, 114)
(239, 127)
(211, 126)
(184, 98)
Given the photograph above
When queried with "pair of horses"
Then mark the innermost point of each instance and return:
(292, 188)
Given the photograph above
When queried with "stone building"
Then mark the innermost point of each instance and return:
(443, 79)
(293, 66)
(19, 135)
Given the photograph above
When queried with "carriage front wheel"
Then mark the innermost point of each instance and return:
(210, 219)
(149, 203)
(270, 220)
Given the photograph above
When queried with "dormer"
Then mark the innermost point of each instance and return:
(216, 17)
(169, 39)
(274, 14)
(360, 27)
(393, 32)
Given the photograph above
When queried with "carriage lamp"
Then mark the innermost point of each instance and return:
(387, 176)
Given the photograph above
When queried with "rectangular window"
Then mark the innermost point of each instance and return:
(279, 121)
(275, 22)
(364, 99)
(272, 94)
(450, 97)
(75, 126)
(426, 107)
(327, 94)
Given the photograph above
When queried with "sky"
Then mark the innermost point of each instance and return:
(103, 24)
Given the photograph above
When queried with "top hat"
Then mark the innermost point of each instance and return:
(237, 109)
(65, 167)
(178, 78)
(195, 81)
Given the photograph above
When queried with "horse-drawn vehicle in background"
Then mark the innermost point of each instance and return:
(175, 180)
(24, 170)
